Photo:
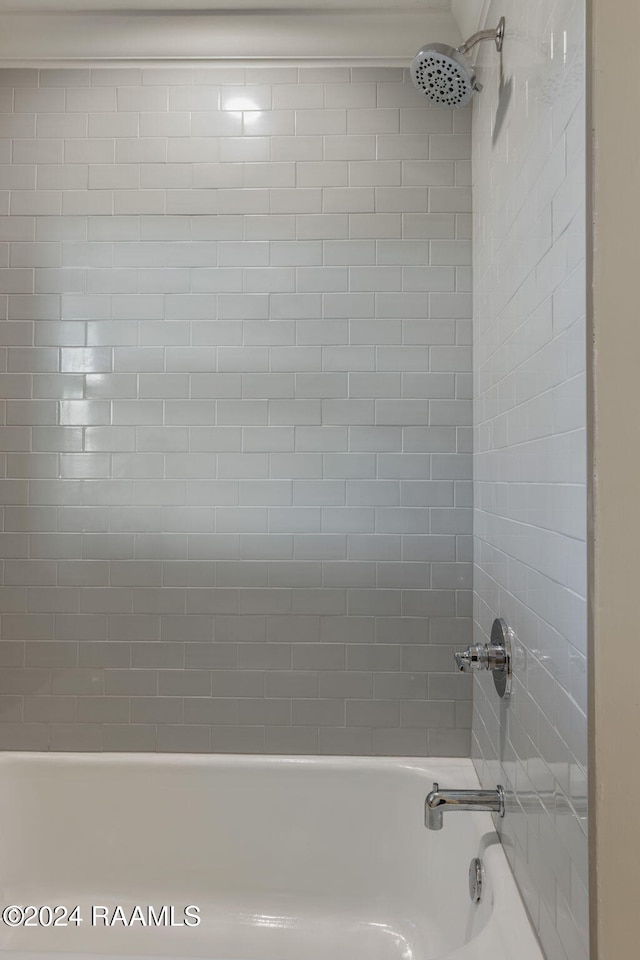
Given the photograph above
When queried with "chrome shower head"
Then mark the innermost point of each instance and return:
(445, 75)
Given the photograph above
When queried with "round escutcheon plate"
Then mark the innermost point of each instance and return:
(501, 637)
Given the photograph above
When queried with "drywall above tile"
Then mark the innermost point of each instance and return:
(379, 35)
(470, 15)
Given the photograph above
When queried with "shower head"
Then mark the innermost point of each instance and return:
(445, 75)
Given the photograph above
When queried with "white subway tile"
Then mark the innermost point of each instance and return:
(324, 227)
(404, 146)
(170, 176)
(321, 279)
(149, 150)
(244, 149)
(90, 100)
(420, 120)
(453, 147)
(269, 175)
(270, 123)
(285, 148)
(324, 174)
(68, 126)
(158, 124)
(375, 173)
(373, 121)
(380, 225)
(111, 177)
(139, 202)
(354, 147)
(87, 151)
(37, 151)
(295, 96)
(139, 98)
(107, 125)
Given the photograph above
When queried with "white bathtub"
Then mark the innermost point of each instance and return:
(286, 858)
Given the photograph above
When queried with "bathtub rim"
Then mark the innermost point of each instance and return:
(510, 924)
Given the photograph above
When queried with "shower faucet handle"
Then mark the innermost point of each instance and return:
(470, 659)
(494, 656)
(481, 656)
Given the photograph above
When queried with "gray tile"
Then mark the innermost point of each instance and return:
(239, 629)
(400, 742)
(50, 709)
(133, 627)
(160, 709)
(184, 683)
(104, 654)
(427, 658)
(319, 656)
(237, 683)
(347, 629)
(141, 683)
(427, 714)
(291, 683)
(444, 686)
(183, 739)
(454, 631)
(237, 739)
(372, 713)
(128, 737)
(373, 656)
(103, 710)
(79, 682)
(211, 656)
(52, 654)
(210, 710)
(162, 656)
(400, 686)
(24, 736)
(262, 712)
(81, 627)
(291, 740)
(318, 712)
(250, 533)
(345, 684)
(346, 741)
(12, 654)
(184, 629)
(11, 708)
(292, 629)
(448, 743)
(75, 736)
(264, 656)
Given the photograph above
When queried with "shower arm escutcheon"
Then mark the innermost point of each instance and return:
(496, 35)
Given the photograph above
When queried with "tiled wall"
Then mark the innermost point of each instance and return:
(237, 504)
(529, 451)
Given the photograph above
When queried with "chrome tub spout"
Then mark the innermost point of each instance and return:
(440, 800)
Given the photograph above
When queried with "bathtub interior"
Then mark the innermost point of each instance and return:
(286, 857)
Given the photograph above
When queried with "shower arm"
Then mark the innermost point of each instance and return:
(496, 35)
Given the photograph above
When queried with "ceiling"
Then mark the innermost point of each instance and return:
(230, 6)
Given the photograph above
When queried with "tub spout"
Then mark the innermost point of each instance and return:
(440, 800)
(433, 809)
